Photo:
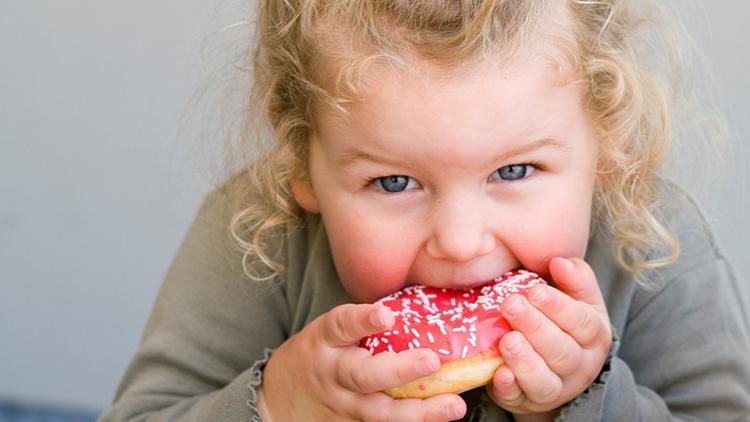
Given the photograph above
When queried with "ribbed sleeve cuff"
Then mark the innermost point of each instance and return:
(591, 401)
(256, 380)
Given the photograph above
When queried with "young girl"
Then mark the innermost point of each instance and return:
(445, 143)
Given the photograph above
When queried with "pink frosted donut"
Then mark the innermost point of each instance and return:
(462, 326)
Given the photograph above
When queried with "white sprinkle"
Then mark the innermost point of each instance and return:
(411, 346)
(416, 343)
(384, 340)
(390, 348)
(459, 329)
(416, 334)
(465, 351)
(429, 336)
(443, 351)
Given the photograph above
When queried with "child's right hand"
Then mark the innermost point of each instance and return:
(321, 374)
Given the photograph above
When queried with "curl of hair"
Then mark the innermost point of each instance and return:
(312, 52)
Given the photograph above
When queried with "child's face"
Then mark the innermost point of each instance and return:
(450, 182)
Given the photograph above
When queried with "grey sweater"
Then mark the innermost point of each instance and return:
(680, 352)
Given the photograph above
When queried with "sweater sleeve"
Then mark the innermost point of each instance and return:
(209, 333)
(682, 356)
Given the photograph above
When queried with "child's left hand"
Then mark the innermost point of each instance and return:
(561, 340)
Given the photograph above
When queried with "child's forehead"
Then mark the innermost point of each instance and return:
(405, 105)
(345, 66)
(414, 74)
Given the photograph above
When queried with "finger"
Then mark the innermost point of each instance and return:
(576, 278)
(360, 372)
(504, 389)
(581, 321)
(346, 324)
(379, 407)
(558, 349)
(536, 379)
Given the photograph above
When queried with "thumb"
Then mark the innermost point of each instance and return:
(575, 277)
(346, 324)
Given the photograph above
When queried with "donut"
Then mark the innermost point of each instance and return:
(463, 326)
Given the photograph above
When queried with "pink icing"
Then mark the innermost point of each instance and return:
(455, 323)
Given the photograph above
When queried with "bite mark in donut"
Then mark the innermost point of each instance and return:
(462, 326)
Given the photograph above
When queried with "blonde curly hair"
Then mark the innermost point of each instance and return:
(311, 52)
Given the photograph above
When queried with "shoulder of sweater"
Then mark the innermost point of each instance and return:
(686, 221)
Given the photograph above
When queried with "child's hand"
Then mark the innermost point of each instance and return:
(320, 374)
(559, 345)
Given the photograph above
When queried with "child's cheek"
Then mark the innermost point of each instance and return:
(370, 278)
(556, 237)
(369, 272)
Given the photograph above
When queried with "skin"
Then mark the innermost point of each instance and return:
(458, 222)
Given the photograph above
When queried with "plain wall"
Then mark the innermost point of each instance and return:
(97, 188)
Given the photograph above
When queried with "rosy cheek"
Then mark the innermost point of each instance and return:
(535, 249)
(369, 273)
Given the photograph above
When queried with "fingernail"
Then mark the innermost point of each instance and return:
(538, 295)
(452, 412)
(377, 319)
(514, 306)
(425, 366)
(507, 379)
(569, 264)
(514, 345)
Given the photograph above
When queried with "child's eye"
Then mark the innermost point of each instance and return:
(514, 171)
(394, 184)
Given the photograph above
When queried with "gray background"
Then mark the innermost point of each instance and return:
(101, 173)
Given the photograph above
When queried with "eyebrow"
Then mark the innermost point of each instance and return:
(351, 156)
(531, 147)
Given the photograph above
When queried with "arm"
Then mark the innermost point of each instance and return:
(208, 335)
(682, 355)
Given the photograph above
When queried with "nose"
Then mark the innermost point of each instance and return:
(460, 231)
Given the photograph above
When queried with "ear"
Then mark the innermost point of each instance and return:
(304, 195)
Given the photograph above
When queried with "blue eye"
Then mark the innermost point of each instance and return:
(393, 184)
(515, 171)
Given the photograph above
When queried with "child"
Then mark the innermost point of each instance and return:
(445, 143)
